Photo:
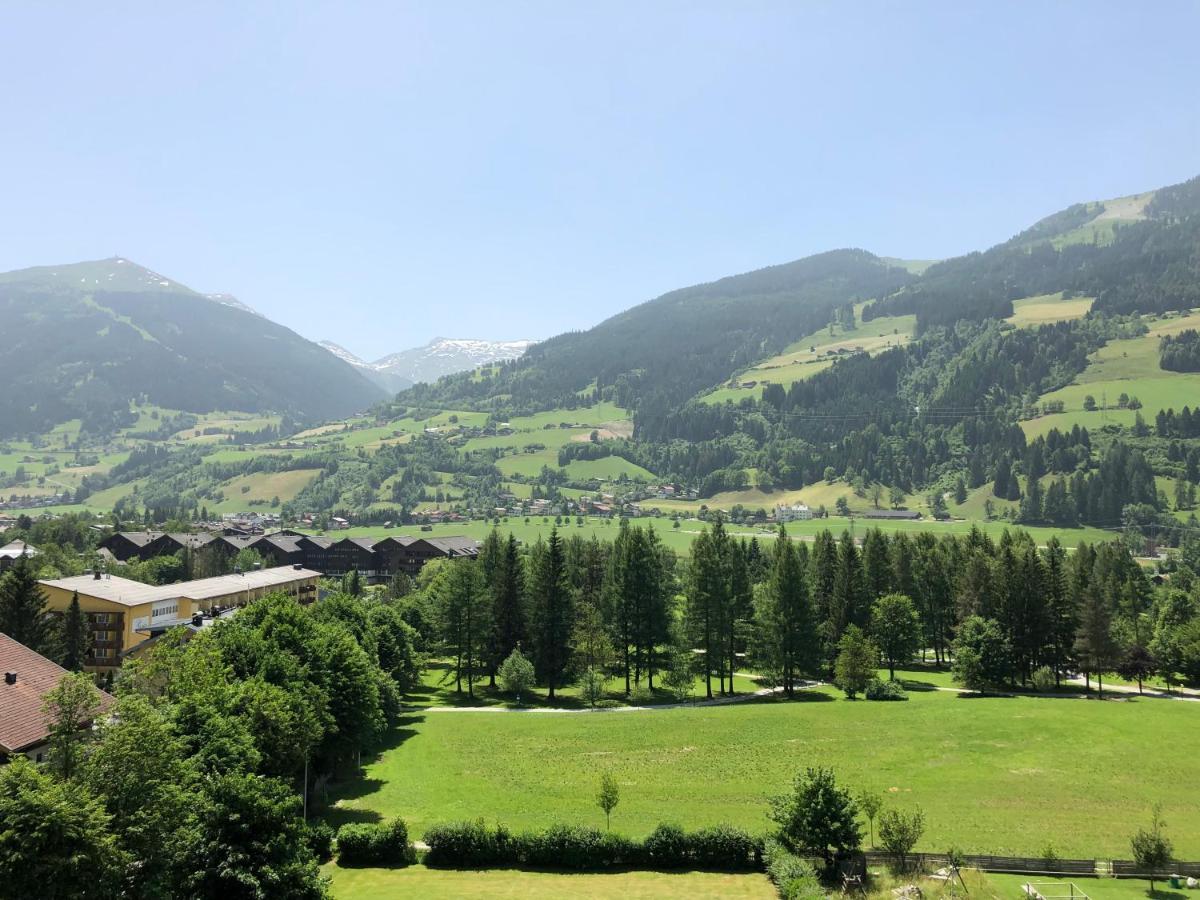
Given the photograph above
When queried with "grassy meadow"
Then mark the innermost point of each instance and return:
(441, 884)
(998, 775)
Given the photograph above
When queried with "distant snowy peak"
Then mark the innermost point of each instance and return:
(342, 353)
(442, 356)
(232, 301)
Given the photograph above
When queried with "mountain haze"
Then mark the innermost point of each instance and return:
(85, 339)
(441, 356)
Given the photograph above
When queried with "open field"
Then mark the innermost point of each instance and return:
(261, 488)
(1047, 308)
(1129, 367)
(432, 884)
(680, 539)
(810, 354)
(997, 775)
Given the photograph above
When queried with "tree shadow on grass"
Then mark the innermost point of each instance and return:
(920, 687)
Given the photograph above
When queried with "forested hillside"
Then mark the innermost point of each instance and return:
(84, 340)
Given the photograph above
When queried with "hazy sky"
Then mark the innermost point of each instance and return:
(380, 174)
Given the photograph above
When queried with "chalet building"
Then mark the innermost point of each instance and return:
(376, 560)
(123, 614)
(14, 550)
(28, 678)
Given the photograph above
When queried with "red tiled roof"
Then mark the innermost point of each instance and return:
(22, 723)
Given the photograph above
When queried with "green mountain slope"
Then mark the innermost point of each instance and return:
(656, 355)
(86, 339)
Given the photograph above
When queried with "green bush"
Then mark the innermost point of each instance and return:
(477, 845)
(794, 878)
(1043, 679)
(576, 847)
(666, 847)
(374, 844)
(470, 844)
(879, 689)
(723, 847)
(319, 837)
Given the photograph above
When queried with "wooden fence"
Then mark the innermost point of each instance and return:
(1028, 865)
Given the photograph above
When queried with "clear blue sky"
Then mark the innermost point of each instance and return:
(380, 174)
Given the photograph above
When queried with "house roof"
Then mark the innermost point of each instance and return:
(454, 545)
(15, 549)
(22, 723)
(134, 593)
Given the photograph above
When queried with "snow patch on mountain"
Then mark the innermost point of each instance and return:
(441, 356)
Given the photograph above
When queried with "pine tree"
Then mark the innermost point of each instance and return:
(708, 596)
(1094, 644)
(23, 614)
(503, 571)
(786, 635)
(76, 638)
(552, 619)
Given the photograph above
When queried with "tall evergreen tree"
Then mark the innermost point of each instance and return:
(1094, 645)
(23, 613)
(505, 580)
(552, 614)
(708, 596)
(76, 637)
(786, 635)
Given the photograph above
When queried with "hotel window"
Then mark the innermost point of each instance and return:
(102, 618)
(102, 652)
(104, 636)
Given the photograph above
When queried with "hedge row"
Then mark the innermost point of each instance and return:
(794, 878)
(477, 845)
(375, 844)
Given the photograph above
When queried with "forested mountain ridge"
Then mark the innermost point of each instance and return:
(86, 339)
(654, 356)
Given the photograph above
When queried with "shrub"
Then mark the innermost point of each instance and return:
(879, 689)
(666, 847)
(373, 844)
(794, 878)
(575, 847)
(722, 847)
(469, 844)
(319, 837)
(1043, 679)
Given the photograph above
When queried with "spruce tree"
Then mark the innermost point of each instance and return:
(552, 619)
(23, 614)
(76, 638)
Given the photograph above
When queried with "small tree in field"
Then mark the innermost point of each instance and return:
(899, 833)
(818, 817)
(896, 628)
(1151, 848)
(856, 661)
(679, 677)
(516, 674)
(870, 804)
(608, 797)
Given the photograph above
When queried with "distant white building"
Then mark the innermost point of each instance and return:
(793, 513)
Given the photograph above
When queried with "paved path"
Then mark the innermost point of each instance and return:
(1184, 694)
(695, 704)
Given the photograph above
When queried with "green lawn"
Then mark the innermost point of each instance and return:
(1095, 888)
(996, 775)
(430, 884)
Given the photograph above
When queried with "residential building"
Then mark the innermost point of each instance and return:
(793, 513)
(28, 678)
(122, 613)
(14, 550)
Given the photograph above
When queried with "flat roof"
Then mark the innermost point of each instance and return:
(133, 593)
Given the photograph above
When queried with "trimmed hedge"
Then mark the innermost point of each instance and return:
(367, 844)
(476, 845)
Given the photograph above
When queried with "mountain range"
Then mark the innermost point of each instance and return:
(441, 356)
(84, 340)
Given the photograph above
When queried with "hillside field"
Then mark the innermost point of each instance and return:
(994, 775)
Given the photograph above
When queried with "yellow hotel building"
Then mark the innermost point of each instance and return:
(123, 614)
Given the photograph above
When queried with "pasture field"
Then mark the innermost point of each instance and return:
(1124, 367)
(680, 539)
(262, 487)
(1003, 775)
(1047, 308)
(512, 884)
(810, 354)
